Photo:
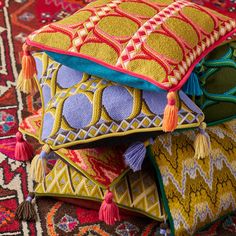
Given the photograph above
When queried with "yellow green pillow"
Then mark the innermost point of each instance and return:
(151, 45)
(134, 192)
(196, 192)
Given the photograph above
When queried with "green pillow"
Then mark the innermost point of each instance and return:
(218, 82)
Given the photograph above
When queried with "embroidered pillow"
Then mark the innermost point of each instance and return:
(83, 109)
(196, 192)
(217, 74)
(87, 173)
(136, 192)
(151, 45)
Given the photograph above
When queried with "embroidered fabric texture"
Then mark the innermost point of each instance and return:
(197, 191)
(135, 191)
(146, 44)
(78, 108)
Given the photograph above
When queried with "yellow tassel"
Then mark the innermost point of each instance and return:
(170, 118)
(202, 143)
(26, 80)
(38, 168)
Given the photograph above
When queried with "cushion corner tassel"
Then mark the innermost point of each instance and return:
(26, 211)
(135, 154)
(170, 117)
(202, 143)
(109, 211)
(23, 149)
(39, 168)
(26, 81)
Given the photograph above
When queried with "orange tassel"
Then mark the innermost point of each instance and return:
(170, 118)
(26, 81)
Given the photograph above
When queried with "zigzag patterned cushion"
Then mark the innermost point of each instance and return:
(145, 44)
(196, 192)
(79, 109)
(136, 192)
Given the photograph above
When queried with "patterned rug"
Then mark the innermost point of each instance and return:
(17, 19)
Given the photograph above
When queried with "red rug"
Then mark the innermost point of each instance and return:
(17, 20)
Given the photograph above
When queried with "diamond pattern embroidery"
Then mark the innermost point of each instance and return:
(184, 118)
(147, 199)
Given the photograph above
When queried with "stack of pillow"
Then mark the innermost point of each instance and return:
(110, 79)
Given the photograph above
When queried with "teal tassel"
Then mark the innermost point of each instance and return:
(192, 86)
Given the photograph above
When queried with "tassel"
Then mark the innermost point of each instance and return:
(135, 154)
(170, 118)
(109, 212)
(26, 81)
(38, 168)
(23, 150)
(25, 211)
(192, 86)
(163, 228)
(202, 144)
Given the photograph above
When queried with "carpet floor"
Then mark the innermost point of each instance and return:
(17, 19)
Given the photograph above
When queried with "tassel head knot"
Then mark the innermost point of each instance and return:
(26, 50)
(25, 47)
(29, 199)
(26, 53)
(171, 98)
(39, 168)
(19, 137)
(46, 148)
(109, 197)
(148, 142)
(203, 126)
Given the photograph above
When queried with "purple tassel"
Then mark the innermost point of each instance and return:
(135, 155)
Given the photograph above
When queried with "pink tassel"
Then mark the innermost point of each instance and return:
(109, 212)
(23, 150)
